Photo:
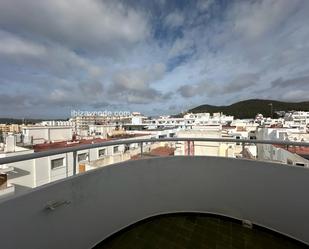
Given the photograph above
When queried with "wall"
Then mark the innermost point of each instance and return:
(199, 148)
(273, 153)
(60, 134)
(37, 172)
(43, 134)
(23, 171)
(107, 199)
(270, 152)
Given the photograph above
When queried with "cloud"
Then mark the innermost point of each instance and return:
(18, 102)
(295, 82)
(11, 45)
(145, 56)
(134, 84)
(181, 47)
(238, 84)
(52, 58)
(204, 5)
(296, 95)
(256, 19)
(174, 20)
(78, 24)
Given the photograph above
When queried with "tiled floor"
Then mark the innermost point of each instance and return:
(192, 231)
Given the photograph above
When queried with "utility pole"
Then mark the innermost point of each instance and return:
(271, 110)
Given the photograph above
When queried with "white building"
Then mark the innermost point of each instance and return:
(206, 118)
(46, 134)
(36, 172)
(200, 148)
(189, 121)
(300, 117)
(57, 123)
(102, 130)
(275, 153)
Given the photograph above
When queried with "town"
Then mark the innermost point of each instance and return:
(92, 129)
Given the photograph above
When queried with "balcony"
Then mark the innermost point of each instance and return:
(216, 194)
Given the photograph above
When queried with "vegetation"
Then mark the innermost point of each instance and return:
(21, 121)
(249, 108)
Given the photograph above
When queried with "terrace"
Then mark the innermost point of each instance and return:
(163, 202)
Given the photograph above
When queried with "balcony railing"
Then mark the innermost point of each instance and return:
(71, 156)
(75, 149)
(108, 199)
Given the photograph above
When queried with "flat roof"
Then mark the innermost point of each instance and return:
(66, 144)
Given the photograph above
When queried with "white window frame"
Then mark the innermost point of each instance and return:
(52, 167)
(104, 154)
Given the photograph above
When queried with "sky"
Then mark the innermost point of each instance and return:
(155, 57)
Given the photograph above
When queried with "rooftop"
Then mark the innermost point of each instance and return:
(66, 144)
(300, 150)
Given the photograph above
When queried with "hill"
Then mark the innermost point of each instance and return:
(20, 121)
(249, 108)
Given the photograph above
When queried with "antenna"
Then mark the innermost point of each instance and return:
(271, 109)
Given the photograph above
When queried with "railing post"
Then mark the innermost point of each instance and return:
(141, 149)
(74, 162)
(67, 165)
(243, 149)
(189, 147)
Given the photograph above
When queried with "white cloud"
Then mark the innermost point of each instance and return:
(295, 95)
(204, 5)
(11, 45)
(135, 84)
(174, 20)
(254, 20)
(181, 47)
(137, 53)
(77, 23)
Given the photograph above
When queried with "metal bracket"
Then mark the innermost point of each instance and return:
(247, 224)
(51, 206)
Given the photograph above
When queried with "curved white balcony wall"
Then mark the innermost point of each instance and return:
(103, 201)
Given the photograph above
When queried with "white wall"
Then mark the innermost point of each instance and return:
(271, 152)
(45, 134)
(199, 148)
(23, 171)
(37, 172)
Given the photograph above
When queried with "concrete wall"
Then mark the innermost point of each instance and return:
(199, 148)
(270, 152)
(43, 134)
(108, 199)
(23, 171)
(36, 172)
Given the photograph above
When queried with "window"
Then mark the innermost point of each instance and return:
(102, 152)
(237, 137)
(127, 147)
(116, 149)
(82, 157)
(56, 163)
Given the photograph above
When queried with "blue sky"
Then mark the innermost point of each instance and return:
(156, 57)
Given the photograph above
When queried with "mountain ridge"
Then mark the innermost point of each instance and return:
(249, 108)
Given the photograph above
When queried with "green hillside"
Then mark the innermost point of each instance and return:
(249, 108)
